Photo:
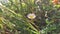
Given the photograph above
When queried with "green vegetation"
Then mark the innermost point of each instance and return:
(29, 17)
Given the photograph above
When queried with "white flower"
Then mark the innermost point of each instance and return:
(31, 16)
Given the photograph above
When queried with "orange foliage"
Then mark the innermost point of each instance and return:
(55, 1)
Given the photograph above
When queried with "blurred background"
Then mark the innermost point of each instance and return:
(29, 16)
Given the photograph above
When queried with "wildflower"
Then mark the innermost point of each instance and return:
(31, 16)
